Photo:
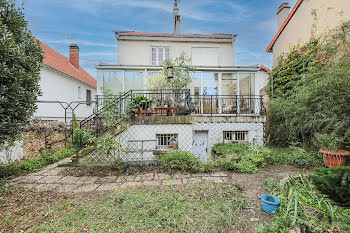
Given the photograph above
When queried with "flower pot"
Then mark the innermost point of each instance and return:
(142, 112)
(270, 203)
(334, 158)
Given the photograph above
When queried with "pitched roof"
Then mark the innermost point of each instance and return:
(59, 62)
(263, 68)
(291, 14)
(220, 36)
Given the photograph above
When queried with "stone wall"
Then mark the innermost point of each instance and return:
(43, 135)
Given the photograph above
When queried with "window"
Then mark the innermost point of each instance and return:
(164, 140)
(236, 136)
(88, 97)
(79, 92)
(159, 54)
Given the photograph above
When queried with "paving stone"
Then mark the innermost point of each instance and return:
(86, 188)
(106, 180)
(53, 172)
(161, 176)
(129, 178)
(213, 179)
(180, 176)
(171, 182)
(144, 177)
(66, 187)
(50, 179)
(87, 179)
(224, 179)
(121, 179)
(47, 187)
(131, 184)
(17, 179)
(51, 166)
(30, 179)
(66, 160)
(200, 175)
(219, 174)
(108, 187)
(28, 186)
(69, 180)
(152, 183)
(192, 180)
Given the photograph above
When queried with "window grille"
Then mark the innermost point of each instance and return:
(236, 136)
(159, 54)
(164, 140)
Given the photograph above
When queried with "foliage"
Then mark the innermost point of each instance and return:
(179, 161)
(158, 81)
(20, 59)
(271, 185)
(316, 99)
(108, 146)
(182, 69)
(335, 183)
(83, 137)
(328, 141)
(303, 206)
(141, 102)
(36, 163)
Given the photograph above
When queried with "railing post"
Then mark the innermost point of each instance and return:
(211, 105)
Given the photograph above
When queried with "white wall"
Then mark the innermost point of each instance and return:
(57, 86)
(139, 52)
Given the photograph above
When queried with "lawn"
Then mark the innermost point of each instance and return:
(205, 207)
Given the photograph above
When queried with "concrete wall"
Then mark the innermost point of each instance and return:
(139, 52)
(330, 14)
(57, 86)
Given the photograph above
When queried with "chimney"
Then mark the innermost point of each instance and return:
(282, 14)
(176, 19)
(74, 55)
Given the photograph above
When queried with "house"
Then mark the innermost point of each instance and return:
(221, 104)
(307, 18)
(62, 82)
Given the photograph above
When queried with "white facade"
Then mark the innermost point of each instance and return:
(204, 52)
(57, 86)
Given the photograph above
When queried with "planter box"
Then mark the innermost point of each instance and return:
(334, 158)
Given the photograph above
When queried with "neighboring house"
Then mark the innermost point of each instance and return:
(223, 102)
(264, 74)
(307, 18)
(63, 80)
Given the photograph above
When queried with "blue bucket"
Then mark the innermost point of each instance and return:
(270, 203)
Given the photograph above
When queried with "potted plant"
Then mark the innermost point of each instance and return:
(329, 146)
(141, 104)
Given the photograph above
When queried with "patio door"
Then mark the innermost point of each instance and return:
(200, 145)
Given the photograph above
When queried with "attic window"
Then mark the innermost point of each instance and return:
(159, 55)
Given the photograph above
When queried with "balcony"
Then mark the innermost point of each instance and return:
(181, 102)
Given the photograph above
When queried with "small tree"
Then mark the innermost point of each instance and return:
(182, 69)
(158, 81)
(20, 59)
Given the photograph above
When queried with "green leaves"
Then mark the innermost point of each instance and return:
(20, 58)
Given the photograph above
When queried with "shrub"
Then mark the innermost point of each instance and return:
(180, 161)
(83, 137)
(328, 141)
(35, 164)
(335, 183)
(271, 185)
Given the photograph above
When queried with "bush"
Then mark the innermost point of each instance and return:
(35, 164)
(83, 137)
(335, 183)
(179, 161)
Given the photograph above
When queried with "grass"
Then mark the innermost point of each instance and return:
(34, 164)
(205, 207)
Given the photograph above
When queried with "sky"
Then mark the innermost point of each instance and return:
(90, 24)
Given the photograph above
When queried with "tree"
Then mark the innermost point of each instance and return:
(20, 59)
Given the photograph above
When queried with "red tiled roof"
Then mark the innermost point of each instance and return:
(61, 63)
(263, 68)
(269, 49)
(173, 34)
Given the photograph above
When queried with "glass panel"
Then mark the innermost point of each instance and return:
(154, 56)
(133, 80)
(195, 85)
(113, 80)
(210, 83)
(229, 83)
(167, 53)
(160, 56)
(246, 83)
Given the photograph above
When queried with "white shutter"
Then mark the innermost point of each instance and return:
(205, 56)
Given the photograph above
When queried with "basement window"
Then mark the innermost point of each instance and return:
(164, 141)
(159, 55)
(236, 136)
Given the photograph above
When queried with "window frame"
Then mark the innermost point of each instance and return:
(235, 136)
(165, 54)
(165, 141)
(88, 97)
